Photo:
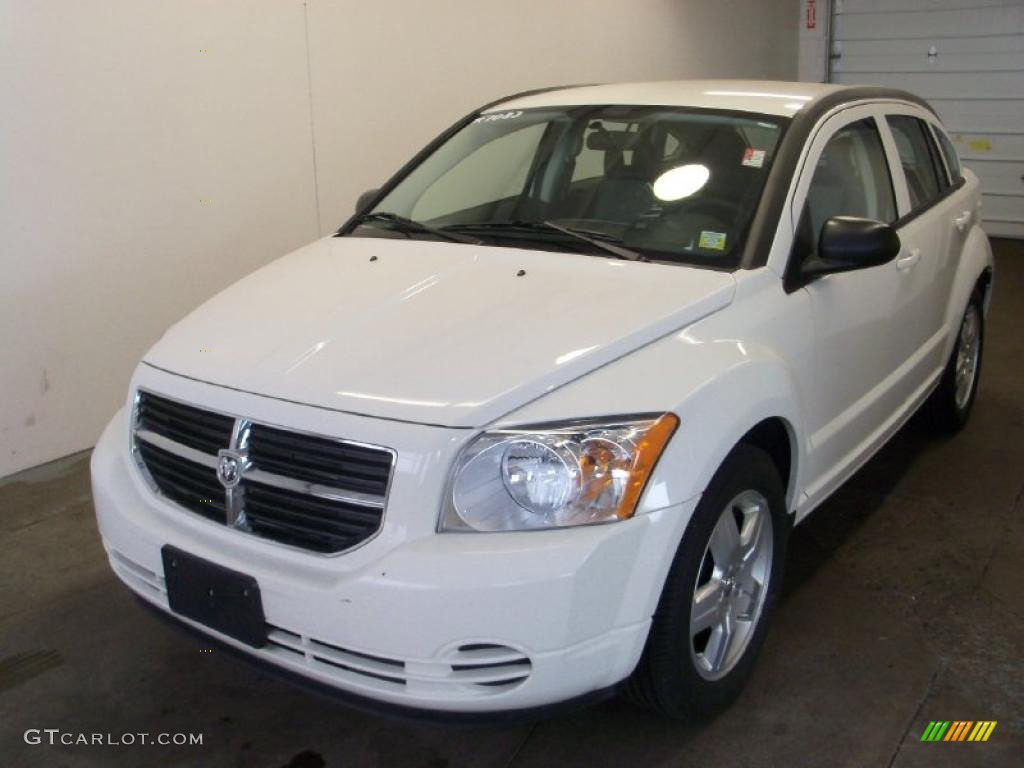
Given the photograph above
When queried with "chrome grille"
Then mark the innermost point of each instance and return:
(308, 491)
(319, 460)
(189, 484)
(185, 424)
(306, 521)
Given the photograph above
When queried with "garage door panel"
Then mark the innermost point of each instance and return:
(1005, 229)
(988, 147)
(981, 116)
(987, 44)
(876, 6)
(1002, 208)
(963, 22)
(937, 84)
(916, 59)
(966, 57)
(998, 177)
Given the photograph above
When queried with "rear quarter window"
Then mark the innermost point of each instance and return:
(950, 155)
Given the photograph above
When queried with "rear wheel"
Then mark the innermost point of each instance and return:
(949, 406)
(719, 594)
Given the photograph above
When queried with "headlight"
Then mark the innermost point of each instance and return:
(519, 479)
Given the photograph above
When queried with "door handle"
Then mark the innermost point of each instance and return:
(906, 262)
(961, 221)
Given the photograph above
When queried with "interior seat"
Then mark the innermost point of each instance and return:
(625, 192)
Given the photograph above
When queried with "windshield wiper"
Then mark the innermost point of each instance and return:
(596, 239)
(600, 240)
(410, 226)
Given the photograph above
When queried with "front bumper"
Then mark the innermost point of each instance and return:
(445, 622)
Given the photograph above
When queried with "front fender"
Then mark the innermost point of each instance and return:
(715, 416)
(719, 389)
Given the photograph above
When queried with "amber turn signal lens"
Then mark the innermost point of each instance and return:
(648, 450)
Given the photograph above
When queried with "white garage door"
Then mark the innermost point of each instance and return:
(966, 57)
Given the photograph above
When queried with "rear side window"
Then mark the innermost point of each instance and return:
(949, 152)
(918, 156)
(851, 179)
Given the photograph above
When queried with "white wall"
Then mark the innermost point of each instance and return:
(153, 152)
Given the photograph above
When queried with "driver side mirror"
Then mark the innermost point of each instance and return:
(847, 243)
(364, 200)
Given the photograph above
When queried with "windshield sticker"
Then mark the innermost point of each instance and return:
(712, 241)
(495, 117)
(753, 158)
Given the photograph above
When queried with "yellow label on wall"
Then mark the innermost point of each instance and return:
(980, 145)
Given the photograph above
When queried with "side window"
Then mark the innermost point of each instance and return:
(918, 158)
(949, 152)
(495, 171)
(851, 179)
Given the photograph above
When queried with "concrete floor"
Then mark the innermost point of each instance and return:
(902, 605)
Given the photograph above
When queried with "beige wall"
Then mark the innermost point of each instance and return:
(152, 152)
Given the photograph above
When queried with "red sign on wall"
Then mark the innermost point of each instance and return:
(812, 16)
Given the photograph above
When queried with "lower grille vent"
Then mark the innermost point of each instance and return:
(474, 670)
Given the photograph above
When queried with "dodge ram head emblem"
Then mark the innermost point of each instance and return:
(229, 467)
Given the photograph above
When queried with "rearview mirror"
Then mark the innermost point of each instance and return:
(848, 243)
(364, 200)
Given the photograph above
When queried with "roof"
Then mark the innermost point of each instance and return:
(762, 96)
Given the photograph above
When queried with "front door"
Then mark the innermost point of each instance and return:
(860, 339)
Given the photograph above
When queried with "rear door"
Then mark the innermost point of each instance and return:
(962, 211)
(926, 202)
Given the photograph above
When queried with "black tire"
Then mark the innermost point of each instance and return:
(943, 413)
(667, 679)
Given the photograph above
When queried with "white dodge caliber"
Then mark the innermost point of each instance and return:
(534, 425)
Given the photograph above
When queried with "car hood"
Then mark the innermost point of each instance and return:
(430, 332)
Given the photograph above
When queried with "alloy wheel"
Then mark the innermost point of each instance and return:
(967, 354)
(732, 585)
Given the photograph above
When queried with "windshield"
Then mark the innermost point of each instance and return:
(656, 183)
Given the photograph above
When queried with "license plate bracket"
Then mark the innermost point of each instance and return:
(215, 596)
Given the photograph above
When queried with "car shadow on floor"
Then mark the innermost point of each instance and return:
(814, 542)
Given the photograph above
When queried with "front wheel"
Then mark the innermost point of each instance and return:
(719, 594)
